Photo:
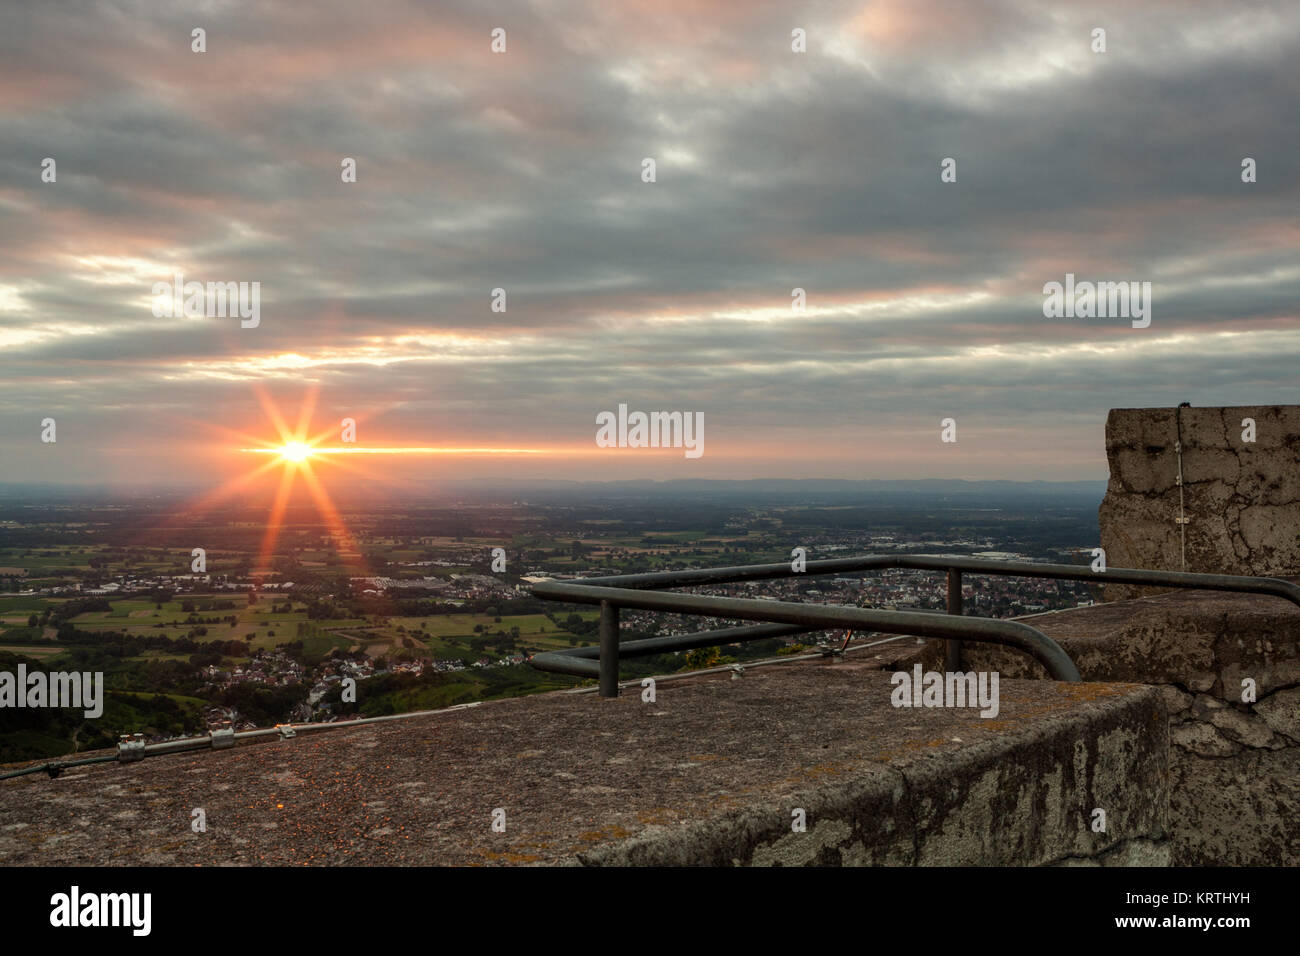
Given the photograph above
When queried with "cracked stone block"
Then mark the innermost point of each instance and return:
(1130, 853)
(1244, 728)
(1203, 706)
(1281, 711)
(1202, 739)
(1176, 701)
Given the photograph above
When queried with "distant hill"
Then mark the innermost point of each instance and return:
(797, 491)
(773, 490)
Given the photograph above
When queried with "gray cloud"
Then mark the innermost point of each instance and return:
(775, 170)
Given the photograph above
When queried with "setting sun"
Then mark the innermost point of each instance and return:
(295, 451)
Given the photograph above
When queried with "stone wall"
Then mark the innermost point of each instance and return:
(1022, 797)
(1234, 763)
(1242, 497)
(713, 771)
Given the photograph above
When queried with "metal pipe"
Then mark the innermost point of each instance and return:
(57, 767)
(952, 653)
(562, 662)
(582, 661)
(608, 649)
(1196, 581)
(953, 565)
(1244, 584)
(827, 617)
(646, 646)
(748, 665)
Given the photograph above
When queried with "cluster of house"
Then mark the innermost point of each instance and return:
(177, 583)
(218, 718)
(461, 586)
(464, 586)
(272, 668)
(377, 585)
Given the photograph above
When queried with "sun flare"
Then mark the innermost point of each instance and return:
(295, 451)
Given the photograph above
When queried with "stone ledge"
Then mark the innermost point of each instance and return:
(706, 775)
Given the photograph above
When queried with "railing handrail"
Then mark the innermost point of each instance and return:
(938, 562)
(828, 617)
(639, 591)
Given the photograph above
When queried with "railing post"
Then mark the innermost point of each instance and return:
(608, 649)
(952, 654)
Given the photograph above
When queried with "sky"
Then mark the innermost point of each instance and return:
(523, 170)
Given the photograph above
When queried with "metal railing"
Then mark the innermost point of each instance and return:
(783, 618)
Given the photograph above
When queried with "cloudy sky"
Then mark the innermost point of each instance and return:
(523, 170)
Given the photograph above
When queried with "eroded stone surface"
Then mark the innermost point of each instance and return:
(1242, 810)
(1242, 498)
(1235, 798)
(708, 774)
(1281, 711)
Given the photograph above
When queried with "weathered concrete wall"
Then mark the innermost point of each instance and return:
(1234, 764)
(1243, 498)
(707, 774)
(1009, 799)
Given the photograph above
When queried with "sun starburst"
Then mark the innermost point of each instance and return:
(295, 451)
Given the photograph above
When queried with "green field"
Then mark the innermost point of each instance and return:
(28, 604)
(444, 636)
(462, 625)
(30, 650)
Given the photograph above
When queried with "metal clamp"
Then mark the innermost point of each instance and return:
(130, 747)
(286, 731)
(223, 738)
